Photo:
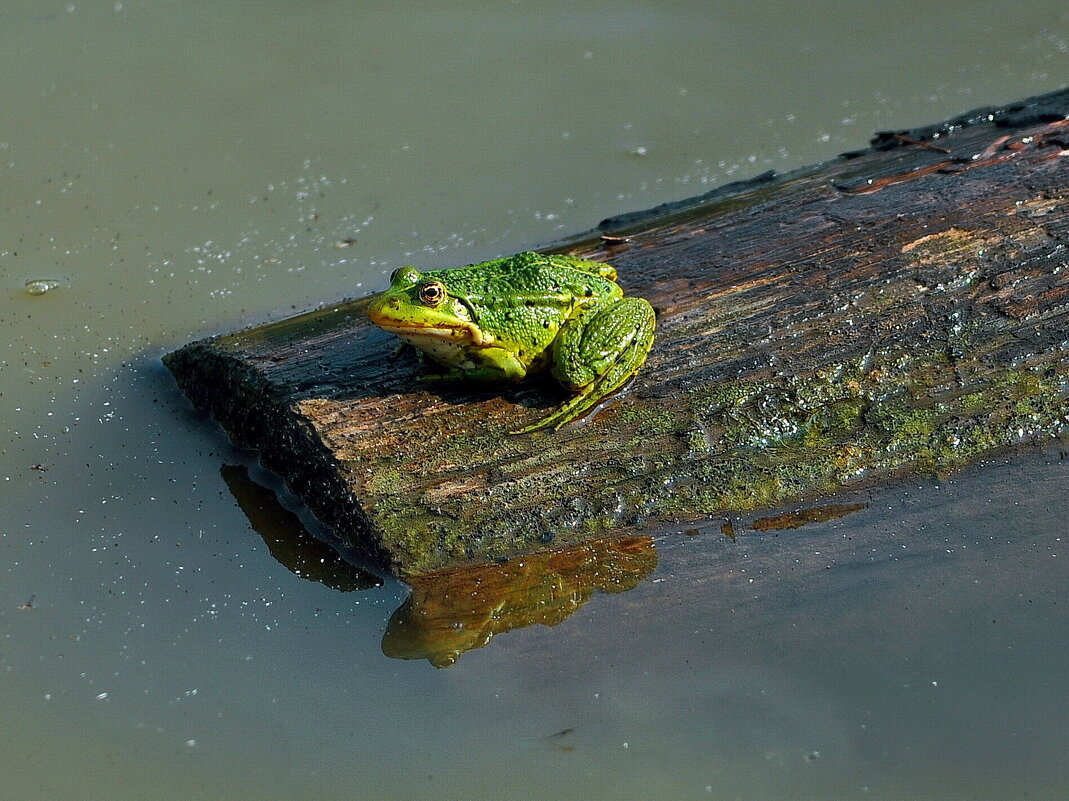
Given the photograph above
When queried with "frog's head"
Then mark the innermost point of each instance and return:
(417, 308)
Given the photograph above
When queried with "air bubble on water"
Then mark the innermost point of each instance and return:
(38, 286)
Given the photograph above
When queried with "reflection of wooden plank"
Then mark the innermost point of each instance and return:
(288, 541)
(904, 307)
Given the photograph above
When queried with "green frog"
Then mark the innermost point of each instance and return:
(506, 318)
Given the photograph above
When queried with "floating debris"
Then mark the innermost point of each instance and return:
(38, 286)
(348, 242)
(637, 150)
(558, 740)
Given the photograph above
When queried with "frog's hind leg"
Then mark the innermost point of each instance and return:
(597, 354)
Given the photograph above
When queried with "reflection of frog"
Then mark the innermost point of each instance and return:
(503, 319)
(453, 611)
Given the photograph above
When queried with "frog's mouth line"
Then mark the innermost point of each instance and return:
(458, 335)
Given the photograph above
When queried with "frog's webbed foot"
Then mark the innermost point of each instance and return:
(578, 405)
(597, 354)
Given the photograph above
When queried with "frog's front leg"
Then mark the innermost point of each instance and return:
(596, 353)
(491, 364)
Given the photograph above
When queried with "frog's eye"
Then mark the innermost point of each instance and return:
(431, 293)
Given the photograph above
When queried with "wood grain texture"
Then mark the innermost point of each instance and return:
(904, 307)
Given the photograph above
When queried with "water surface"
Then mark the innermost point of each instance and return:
(177, 169)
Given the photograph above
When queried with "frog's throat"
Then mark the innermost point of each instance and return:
(458, 334)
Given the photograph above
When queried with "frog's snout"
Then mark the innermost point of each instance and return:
(379, 309)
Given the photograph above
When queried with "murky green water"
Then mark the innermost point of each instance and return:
(183, 168)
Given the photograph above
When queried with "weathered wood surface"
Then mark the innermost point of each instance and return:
(904, 307)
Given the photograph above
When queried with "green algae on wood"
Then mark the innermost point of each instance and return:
(903, 308)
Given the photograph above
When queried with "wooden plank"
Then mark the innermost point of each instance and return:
(900, 308)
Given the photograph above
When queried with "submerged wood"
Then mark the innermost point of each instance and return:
(900, 308)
